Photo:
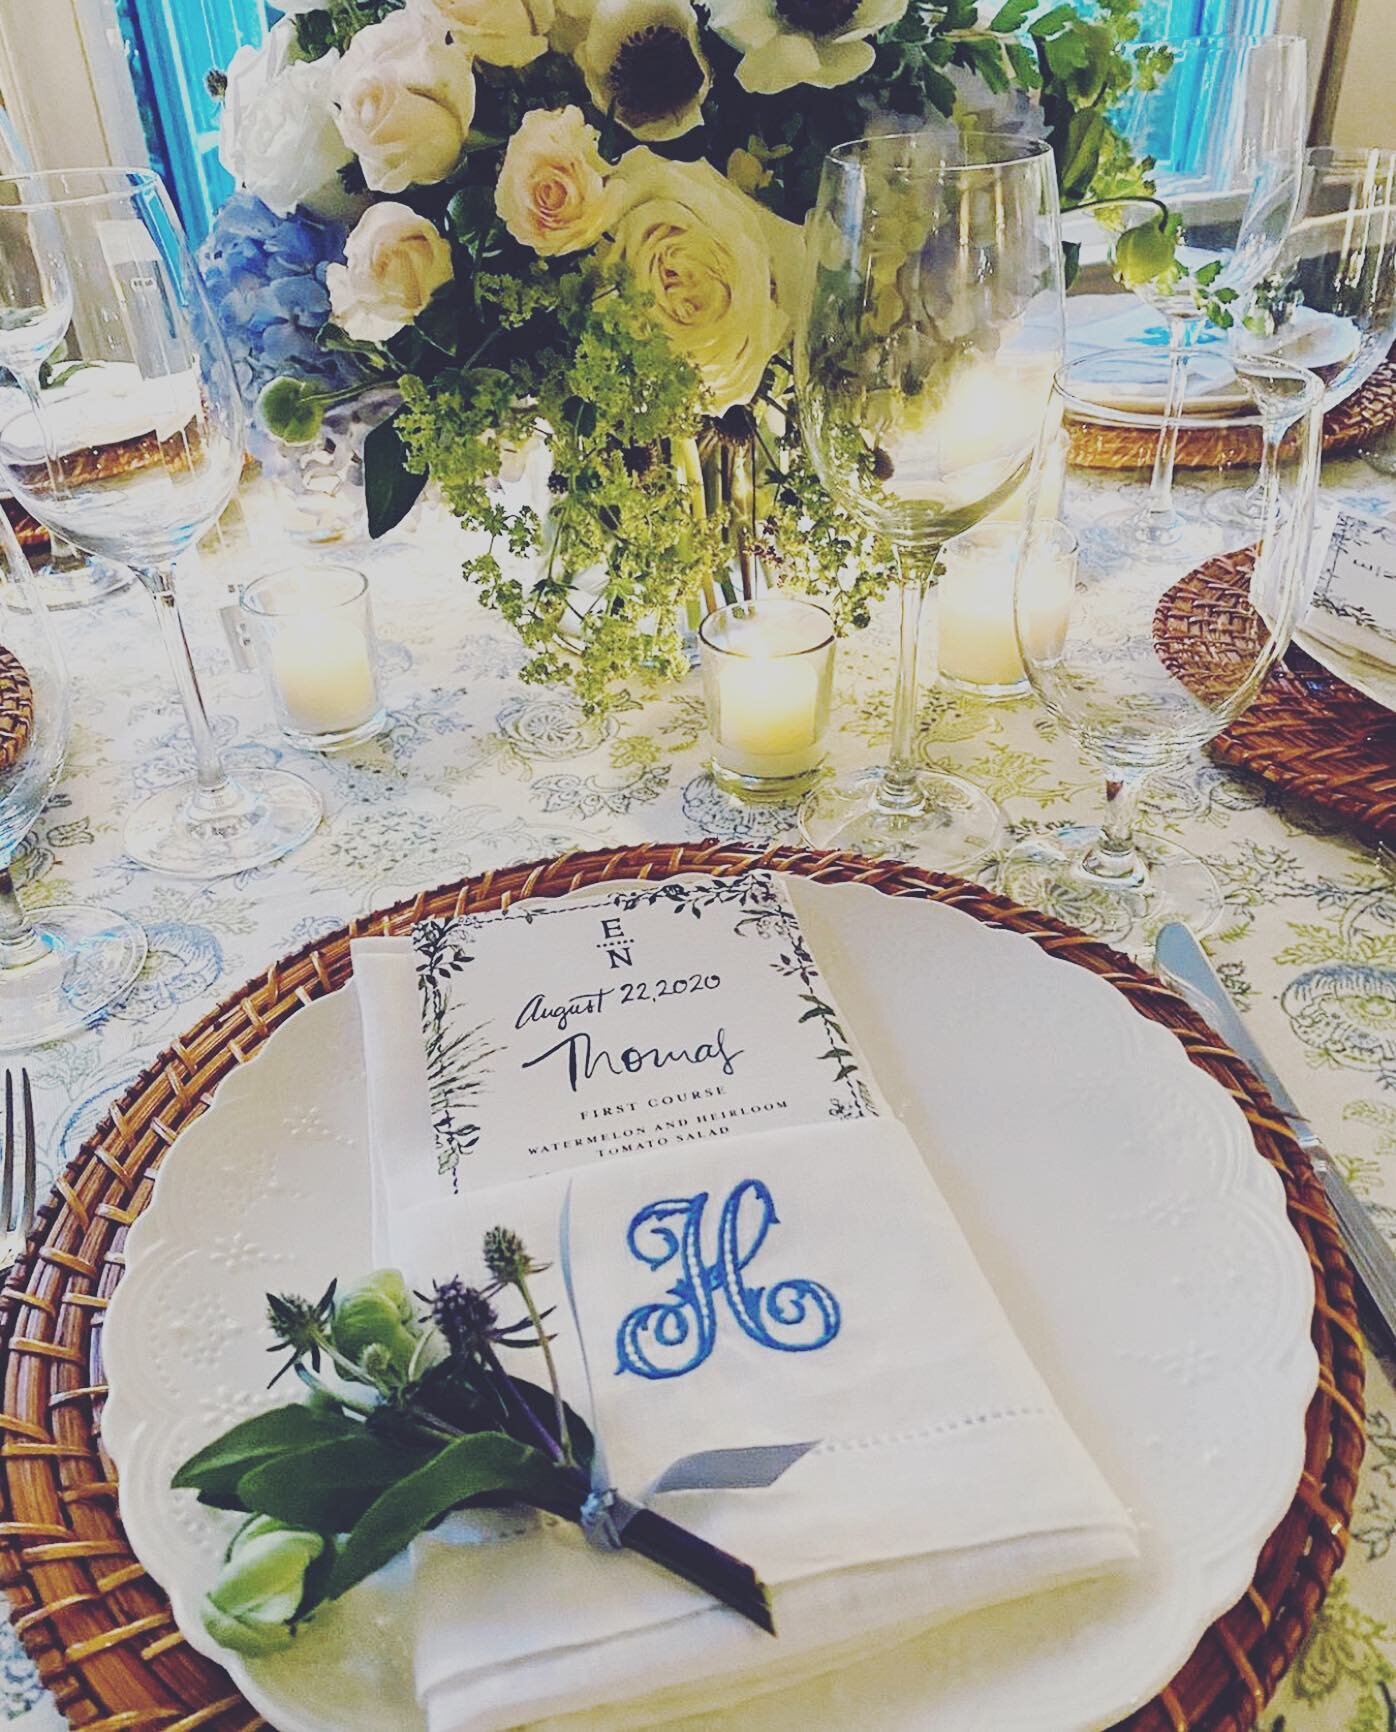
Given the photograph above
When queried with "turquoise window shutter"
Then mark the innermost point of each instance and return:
(172, 45)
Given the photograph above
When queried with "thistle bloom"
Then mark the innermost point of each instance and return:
(642, 62)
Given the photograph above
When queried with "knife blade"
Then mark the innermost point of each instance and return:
(1182, 962)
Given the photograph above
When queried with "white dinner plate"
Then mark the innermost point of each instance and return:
(1111, 1190)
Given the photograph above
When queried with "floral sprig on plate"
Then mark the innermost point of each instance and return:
(409, 1413)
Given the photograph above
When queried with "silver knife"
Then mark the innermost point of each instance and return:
(1185, 965)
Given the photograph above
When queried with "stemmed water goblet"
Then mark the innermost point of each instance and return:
(1329, 303)
(35, 310)
(60, 966)
(924, 354)
(1227, 121)
(140, 464)
(1113, 664)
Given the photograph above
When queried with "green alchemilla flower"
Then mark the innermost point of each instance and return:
(252, 1605)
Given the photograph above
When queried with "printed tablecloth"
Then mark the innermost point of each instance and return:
(478, 770)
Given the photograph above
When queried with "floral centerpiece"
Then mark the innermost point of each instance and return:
(582, 222)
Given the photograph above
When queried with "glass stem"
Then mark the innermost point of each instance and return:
(209, 770)
(1113, 859)
(898, 790)
(1160, 507)
(19, 942)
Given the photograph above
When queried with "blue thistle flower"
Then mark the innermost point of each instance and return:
(266, 278)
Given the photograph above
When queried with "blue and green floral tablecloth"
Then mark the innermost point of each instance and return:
(478, 770)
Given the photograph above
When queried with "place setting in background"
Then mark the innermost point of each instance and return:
(867, 1281)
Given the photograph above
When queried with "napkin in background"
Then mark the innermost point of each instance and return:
(945, 1478)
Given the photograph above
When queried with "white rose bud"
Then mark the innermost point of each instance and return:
(722, 270)
(394, 263)
(499, 32)
(405, 95)
(553, 193)
(277, 136)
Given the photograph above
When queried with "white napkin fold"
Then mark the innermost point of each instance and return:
(1354, 599)
(945, 1478)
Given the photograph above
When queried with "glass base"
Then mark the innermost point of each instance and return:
(953, 828)
(88, 961)
(986, 693)
(1047, 872)
(1237, 508)
(763, 790)
(343, 739)
(61, 586)
(254, 819)
(1153, 536)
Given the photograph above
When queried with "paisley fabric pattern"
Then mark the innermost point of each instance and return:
(477, 770)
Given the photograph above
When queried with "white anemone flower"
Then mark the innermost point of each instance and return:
(642, 63)
(788, 42)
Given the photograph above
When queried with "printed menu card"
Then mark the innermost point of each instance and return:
(654, 1016)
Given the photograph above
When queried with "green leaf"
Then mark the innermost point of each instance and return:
(1208, 273)
(390, 487)
(327, 1486)
(1024, 64)
(219, 1466)
(1085, 133)
(1071, 260)
(1012, 15)
(1052, 21)
(488, 1461)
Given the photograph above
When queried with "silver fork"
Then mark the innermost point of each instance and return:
(19, 1142)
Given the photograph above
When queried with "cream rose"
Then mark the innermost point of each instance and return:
(722, 270)
(277, 136)
(394, 262)
(499, 32)
(405, 97)
(553, 194)
(643, 63)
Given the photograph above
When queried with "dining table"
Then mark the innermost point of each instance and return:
(478, 769)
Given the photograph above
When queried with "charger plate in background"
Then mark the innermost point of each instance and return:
(103, 1633)
(16, 708)
(1307, 732)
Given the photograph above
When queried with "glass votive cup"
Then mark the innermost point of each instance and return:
(978, 638)
(312, 634)
(768, 678)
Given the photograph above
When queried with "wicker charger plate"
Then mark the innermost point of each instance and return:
(1369, 412)
(1307, 732)
(101, 1631)
(16, 708)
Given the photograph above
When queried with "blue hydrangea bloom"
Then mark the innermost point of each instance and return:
(266, 279)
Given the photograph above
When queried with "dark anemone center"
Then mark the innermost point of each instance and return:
(818, 17)
(655, 73)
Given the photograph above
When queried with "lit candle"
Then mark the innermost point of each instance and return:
(978, 639)
(324, 676)
(767, 672)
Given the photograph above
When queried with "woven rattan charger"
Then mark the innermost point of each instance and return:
(1367, 414)
(16, 708)
(1307, 732)
(101, 1631)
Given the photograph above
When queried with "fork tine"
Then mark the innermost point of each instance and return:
(31, 1164)
(7, 1189)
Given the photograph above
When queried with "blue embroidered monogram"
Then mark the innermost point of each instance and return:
(670, 1337)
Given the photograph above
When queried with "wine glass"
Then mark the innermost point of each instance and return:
(924, 355)
(35, 309)
(1225, 125)
(136, 462)
(1136, 696)
(1329, 304)
(60, 966)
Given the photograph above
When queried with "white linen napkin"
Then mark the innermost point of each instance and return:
(849, 1310)
(1354, 599)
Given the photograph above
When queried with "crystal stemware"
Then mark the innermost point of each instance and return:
(1329, 304)
(134, 460)
(1226, 125)
(924, 356)
(1136, 696)
(60, 966)
(35, 309)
